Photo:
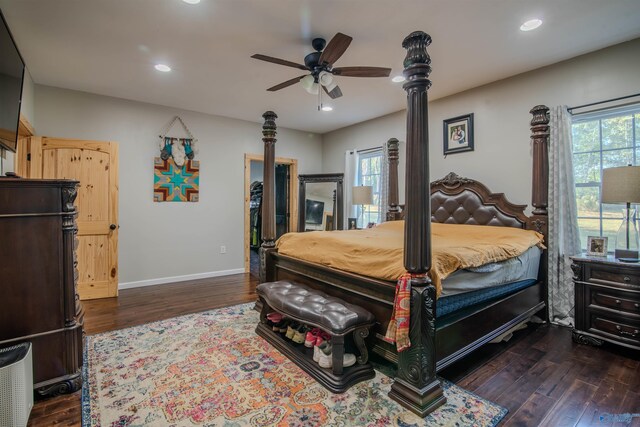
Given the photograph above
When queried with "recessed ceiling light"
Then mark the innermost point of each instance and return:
(398, 79)
(531, 24)
(191, 1)
(327, 108)
(162, 67)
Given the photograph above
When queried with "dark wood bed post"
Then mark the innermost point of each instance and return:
(416, 386)
(268, 192)
(394, 208)
(539, 219)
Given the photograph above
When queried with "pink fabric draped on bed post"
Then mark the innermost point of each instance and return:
(416, 386)
(268, 192)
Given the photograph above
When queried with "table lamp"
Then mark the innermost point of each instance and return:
(362, 195)
(622, 185)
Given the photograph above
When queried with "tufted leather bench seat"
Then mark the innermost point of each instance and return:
(333, 315)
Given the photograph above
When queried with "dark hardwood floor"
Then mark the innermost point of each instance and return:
(540, 375)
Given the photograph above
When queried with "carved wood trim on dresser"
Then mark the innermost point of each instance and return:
(39, 276)
(607, 301)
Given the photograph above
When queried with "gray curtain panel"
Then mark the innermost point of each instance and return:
(564, 240)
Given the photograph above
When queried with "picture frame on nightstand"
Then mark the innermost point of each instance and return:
(597, 246)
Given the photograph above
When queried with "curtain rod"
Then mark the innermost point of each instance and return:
(603, 102)
(367, 150)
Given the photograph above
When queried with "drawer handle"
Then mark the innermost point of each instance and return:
(631, 334)
(627, 279)
(636, 305)
(618, 302)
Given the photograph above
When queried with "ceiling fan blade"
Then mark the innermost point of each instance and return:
(335, 93)
(286, 84)
(361, 71)
(335, 48)
(278, 61)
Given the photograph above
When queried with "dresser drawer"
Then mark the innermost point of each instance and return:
(607, 274)
(627, 302)
(620, 330)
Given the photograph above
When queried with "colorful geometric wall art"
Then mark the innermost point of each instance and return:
(172, 183)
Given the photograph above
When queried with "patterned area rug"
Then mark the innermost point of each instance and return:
(211, 369)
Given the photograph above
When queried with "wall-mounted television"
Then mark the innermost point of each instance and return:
(314, 211)
(11, 77)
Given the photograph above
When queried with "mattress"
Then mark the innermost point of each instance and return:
(469, 287)
(522, 267)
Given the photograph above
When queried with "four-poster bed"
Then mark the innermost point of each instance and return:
(436, 341)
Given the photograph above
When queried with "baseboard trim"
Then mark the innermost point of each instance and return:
(165, 280)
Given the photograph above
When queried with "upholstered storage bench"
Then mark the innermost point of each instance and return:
(335, 316)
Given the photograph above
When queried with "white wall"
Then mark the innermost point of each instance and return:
(159, 240)
(502, 156)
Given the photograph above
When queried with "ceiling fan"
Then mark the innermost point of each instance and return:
(320, 65)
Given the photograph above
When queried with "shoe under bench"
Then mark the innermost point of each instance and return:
(333, 315)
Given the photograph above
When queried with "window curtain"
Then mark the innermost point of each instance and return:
(384, 185)
(350, 180)
(563, 240)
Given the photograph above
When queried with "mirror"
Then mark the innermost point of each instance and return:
(320, 205)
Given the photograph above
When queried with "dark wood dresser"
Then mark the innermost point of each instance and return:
(607, 297)
(38, 279)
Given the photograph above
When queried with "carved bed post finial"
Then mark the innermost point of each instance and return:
(416, 386)
(268, 189)
(393, 150)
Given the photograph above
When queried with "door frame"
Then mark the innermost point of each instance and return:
(293, 198)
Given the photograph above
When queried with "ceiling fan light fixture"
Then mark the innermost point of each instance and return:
(398, 79)
(325, 79)
(327, 108)
(191, 1)
(531, 24)
(314, 89)
(307, 82)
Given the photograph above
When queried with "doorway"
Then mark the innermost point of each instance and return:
(95, 165)
(286, 204)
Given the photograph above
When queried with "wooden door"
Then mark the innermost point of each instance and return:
(95, 165)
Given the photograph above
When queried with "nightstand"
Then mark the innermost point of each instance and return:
(607, 301)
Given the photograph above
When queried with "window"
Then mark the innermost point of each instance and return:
(370, 173)
(601, 140)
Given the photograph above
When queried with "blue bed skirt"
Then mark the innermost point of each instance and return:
(449, 304)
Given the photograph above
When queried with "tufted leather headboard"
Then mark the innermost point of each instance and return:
(457, 200)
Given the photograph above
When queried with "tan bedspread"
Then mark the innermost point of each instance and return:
(378, 252)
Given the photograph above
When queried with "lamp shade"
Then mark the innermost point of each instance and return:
(325, 78)
(362, 195)
(621, 185)
(309, 84)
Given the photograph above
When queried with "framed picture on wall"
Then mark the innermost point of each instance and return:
(458, 134)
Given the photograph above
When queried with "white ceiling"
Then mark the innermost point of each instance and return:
(109, 47)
